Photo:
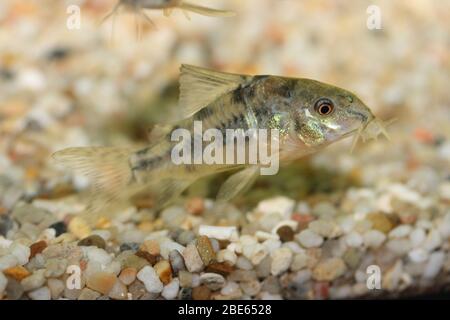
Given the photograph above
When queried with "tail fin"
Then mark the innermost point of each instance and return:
(206, 11)
(106, 167)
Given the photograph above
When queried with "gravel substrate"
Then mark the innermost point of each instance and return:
(304, 234)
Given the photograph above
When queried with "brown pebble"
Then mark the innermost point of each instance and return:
(37, 247)
(101, 282)
(164, 271)
(151, 246)
(380, 222)
(195, 206)
(18, 272)
(205, 250)
(93, 240)
(222, 268)
(201, 293)
(128, 276)
(147, 256)
(285, 233)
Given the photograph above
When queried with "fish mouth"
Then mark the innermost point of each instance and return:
(363, 132)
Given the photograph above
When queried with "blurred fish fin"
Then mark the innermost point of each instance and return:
(206, 11)
(112, 13)
(237, 183)
(201, 86)
(107, 168)
(169, 189)
(159, 131)
(167, 12)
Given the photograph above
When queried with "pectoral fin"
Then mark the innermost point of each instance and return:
(201, 86)
(238, 183)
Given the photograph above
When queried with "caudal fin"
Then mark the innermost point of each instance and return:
(107, 168)
(206, 11)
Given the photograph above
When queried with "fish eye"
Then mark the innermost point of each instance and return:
(324, 106)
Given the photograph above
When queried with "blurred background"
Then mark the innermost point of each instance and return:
(104, 85)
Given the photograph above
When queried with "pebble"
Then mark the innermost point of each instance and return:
(263, 268)
(213, 281)
(329, 269)
(18, 273)
(56, 287)
(14, 289)
(299, 261)
(226, 255)
(176, 261)
(417, 237)
(280, 205)
(118, 291)
(434, 265)
(324, 209)
(37, 247)
(418, 255)
(173, 216)
(164, 271)
(400, 231)
(309, 239)
(242, 275)
(59, 227)
(127, 276)
(20, 251)
(133, 246)
(55, 267)
(130, 260)
(93, 240)
(170, 291)
(166, 245)
(185, 279)
(244, 263)
(34, 281)
(374, 238)
(88, 294)
(201, 293)
(271, 284)
(151, 246)
(205, 250)
(101, 282)
(281, 260)
(137, 290)
(151, 259)
(185, 294)
(192, 259)
(354, 239)
(6, 224)
(7, 261)
(285, 233)
(40, 294)
(219, 233)
(231, 290)
(380, 222)
(150, 279)
(222, 268)
(322, 227)
(3, 284)
(186, 237)
(251, 288)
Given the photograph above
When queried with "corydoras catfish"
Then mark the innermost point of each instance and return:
(307, 115)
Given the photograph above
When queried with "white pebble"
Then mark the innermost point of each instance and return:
(417, 237)
(21, 252)
(166, 245)
(231, 289)
(354, 239)
(262, 235)
(7, 261)
(444, 226)
(150, 279)
(325, 228)
(400, 231)
(374, 238)
(418, 255)
(243, 263)
(434, 265)
(170, 291)
(219, 233)
(40, 294)
(98, 255)
(213, 281)
(271, 245)
(309, 239)
(227, 255)
(281, 260)
(293, 246)
(279, 205)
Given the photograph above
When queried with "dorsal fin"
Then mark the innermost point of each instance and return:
(201, 86)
